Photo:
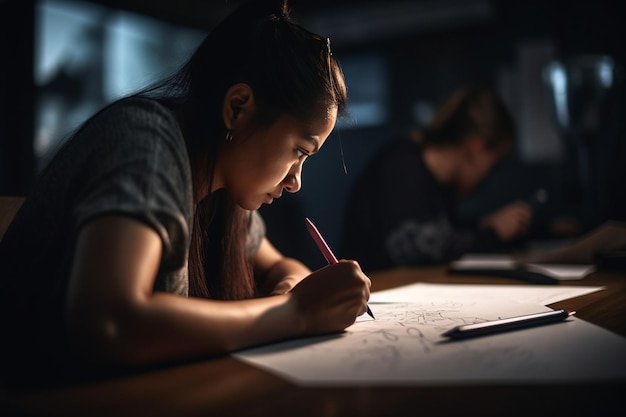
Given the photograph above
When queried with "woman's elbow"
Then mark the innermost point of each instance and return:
(107, 338)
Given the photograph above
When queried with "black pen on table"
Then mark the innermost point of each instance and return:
(504, 325)
(325, 249)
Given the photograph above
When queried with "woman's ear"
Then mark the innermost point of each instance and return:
(238, 106)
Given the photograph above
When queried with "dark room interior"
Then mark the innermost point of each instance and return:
(401, 58)
(138, 279)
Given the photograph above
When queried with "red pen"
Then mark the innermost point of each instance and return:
(323, 247)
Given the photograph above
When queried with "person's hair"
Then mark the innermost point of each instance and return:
(291, 71)
(470, 111)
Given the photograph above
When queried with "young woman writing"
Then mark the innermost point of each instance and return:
(140, 243)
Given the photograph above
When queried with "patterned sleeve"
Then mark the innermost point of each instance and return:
(141, 171)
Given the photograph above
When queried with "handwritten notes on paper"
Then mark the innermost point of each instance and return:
(404, 345)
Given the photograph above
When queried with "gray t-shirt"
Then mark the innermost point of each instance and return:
(129, 159)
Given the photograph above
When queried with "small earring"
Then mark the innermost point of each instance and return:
(229, 136)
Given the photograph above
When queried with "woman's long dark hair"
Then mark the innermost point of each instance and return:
(290, 70)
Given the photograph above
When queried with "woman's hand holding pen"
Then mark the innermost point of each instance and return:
(331, 298)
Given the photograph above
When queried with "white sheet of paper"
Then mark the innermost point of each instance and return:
(562, 272)
(537, 294)
(404, 346)
(499, 261)
(484, 261)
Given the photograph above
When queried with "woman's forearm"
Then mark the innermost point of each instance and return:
(283, 276)
(167, 327)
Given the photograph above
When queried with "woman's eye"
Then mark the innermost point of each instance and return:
(300, 153)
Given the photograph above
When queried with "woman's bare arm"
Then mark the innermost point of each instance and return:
(277, 274)
(113, 313)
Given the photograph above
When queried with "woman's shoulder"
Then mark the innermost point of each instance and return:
(132, 121)
(138, 108)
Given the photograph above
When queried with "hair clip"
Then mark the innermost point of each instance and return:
(328, 46)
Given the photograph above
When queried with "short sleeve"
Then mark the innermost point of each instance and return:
(139, 167)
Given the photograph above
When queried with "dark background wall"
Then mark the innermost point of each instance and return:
(427, 49)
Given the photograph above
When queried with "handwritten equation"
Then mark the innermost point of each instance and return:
(402, 332)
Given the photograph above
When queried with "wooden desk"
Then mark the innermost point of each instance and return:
(227, 387)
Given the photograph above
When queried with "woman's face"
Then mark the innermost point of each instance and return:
(477, 164)
(256, 169)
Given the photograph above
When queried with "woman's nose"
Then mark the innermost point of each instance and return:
(292, 182)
